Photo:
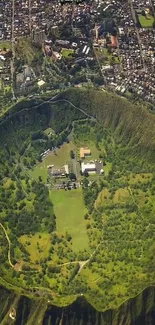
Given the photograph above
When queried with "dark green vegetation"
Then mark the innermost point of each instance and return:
(138, 311)
(118, 262)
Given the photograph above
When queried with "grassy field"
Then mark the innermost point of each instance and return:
(61, 157)
(146, 22)
(105, 57)
(39, 250)
(26, 50)
(5, 44)
(67, 53)
(49, 131)
(69, 209)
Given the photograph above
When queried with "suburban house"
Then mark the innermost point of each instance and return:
(92, 167)
(58, 171)
(84, 152)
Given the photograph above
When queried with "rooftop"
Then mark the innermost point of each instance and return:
(84, 152)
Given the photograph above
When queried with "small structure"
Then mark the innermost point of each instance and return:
(88, 167)
(41, 83)
(12, 314)
(114, 41)
(58, 172)
(84, 152)
(56, 55)
(92, 167)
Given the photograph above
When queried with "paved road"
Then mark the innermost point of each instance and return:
(74, 164)
(137, 31)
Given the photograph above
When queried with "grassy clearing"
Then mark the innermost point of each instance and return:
(39, 250)
(67, 53)
(121, 195)
(7, 183)
(107, 168)
(28, 51)
(49, 131)
(105, 57)
(146, 22)
(102, 197)
(70, 210)
(89, 276)
(61, 157)
(5, 44)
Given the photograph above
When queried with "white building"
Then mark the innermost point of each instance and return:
(89, 167)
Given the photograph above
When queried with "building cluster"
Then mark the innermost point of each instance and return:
(90, 166)
(136, 46)
(124, 28)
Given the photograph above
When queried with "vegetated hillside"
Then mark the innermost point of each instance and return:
(139, 311)
(131, 124)
(126, 204)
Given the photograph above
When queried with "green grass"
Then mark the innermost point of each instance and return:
(5, 44)
(7, 89)
(105, 57)
(107, 168)
(146, 22)
(26, 50)
(121, 195)
(66, 53)
(49, 131)
(44, 244)
(70, 210)
(87, 143)
(62, 157)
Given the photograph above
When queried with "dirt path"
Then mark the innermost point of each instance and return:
(9, 243)
(81, 263)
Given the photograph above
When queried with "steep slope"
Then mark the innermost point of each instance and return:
(139, 311)
(132, 124)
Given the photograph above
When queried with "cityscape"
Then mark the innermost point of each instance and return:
(110, 44)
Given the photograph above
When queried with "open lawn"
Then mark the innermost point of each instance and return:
(61, 157)
(146, 21)
(5, 44)
(70, 210)
(67, 53)
(39, 250)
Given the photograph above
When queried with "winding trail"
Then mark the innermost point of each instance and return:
(9, 243)
(78, 108)
(53, 100)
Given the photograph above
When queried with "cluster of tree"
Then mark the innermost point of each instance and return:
(43, 207)
(90, 193)
(53, 269)
(74, 272)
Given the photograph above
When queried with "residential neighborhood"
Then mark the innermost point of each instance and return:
(108, 44)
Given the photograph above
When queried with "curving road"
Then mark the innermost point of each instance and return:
(52, 101)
